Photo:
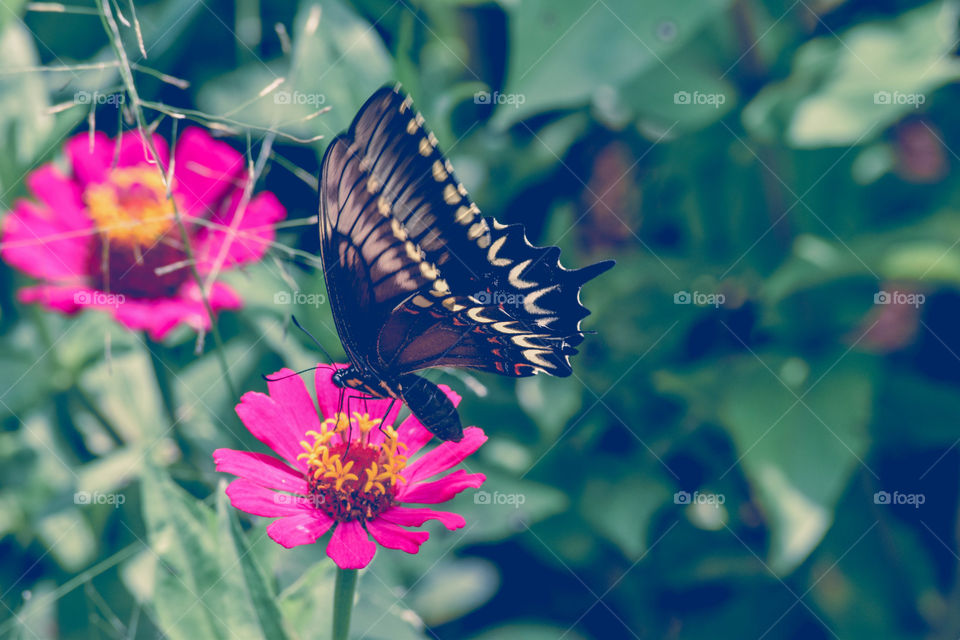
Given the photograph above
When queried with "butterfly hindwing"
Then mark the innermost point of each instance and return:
(520, 319)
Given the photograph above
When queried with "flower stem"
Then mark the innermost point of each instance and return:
(343, 591)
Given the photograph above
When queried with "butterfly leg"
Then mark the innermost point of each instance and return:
(385, 416)
(363, 399)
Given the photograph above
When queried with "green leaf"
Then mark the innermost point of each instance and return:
(504, 506)
(550, 402)
(846, 88)
(622, 510)
(338, 61)
(685, 94)
(453, 588)
(37, 618)
(236, 555)
(797, 456)
(207, 584)
(562, 53)
(24, 121)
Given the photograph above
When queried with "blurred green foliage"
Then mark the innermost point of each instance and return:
(716, 466)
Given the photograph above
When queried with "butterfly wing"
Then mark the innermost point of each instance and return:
(380, 218)
(522, 317)
(416, 277)
(498, 303)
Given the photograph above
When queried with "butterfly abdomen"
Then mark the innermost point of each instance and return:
(432, 407)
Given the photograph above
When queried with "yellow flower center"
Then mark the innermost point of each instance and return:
(350, 478)
(131, 207)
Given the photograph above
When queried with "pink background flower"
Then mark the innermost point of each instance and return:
(96, 236)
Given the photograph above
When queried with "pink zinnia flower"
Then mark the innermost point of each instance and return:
(343, 473)
(97, 235)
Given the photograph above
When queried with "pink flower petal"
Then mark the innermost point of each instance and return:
(328, 393)
(250, 239)
(410, 517)
(272, 426)
(393, 537)
(40, 244)
(303, 528)
(292, 397)
(94, 165)
(62, 195)
(261, 469)
(414, 434)
(90, 164)
(134, 152)
(159, 316)
(205, 171)
(349, 547)
(440, 490)
(66, 299)
(252, 498)
(445, 456)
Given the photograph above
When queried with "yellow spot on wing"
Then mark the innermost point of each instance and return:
(414, 252)
(506, 327)
(398, 231)
(514, 276)
(492, 253)
(439, 172)
(533, 355)
(477, 230)
(420, 301)
(530, 300)
(474, 314)
(450, 195)
(440, 288)
(451, 304)
(524, 341)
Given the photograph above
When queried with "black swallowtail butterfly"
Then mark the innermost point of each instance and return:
(417, 278)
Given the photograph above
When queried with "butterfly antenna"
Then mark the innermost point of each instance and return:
(310, 335)
(289, 375)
